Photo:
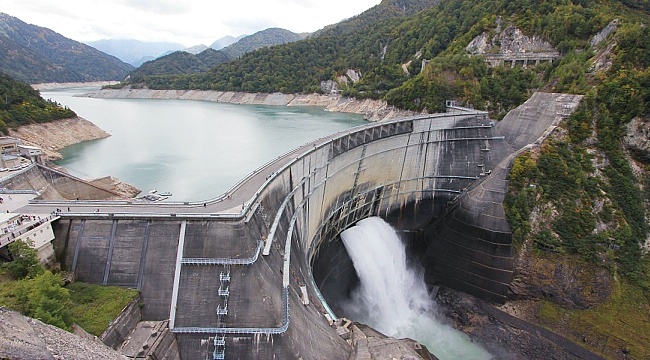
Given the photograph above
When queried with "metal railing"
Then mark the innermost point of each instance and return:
(224, 261)
(243, 331)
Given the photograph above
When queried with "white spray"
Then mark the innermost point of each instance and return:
(393, 298)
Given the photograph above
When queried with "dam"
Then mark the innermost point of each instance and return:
(252, 273)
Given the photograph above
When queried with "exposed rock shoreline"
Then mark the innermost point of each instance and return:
(50, 86)
(372, 110)
(55, 135)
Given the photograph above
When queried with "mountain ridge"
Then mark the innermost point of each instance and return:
(135, 52)
(184, 62)
(34, 54)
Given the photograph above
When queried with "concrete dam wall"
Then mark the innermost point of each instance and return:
(250, 285)
(53, 184)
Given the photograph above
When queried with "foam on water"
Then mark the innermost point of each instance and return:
(392, 297)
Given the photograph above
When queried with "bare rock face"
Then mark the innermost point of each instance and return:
(602, 35)
(507, 41)
(116, 185)
(329, 86)
(368, 343)
(25, 338)
(573, 286)
(637, 139)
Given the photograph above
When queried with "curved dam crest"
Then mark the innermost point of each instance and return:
(241, 273)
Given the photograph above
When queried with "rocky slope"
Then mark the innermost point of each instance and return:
(50, 86)
(55, 135)
(373, 110)
(25, 338)
(637, 138)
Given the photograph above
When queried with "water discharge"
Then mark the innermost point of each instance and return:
(392, 296)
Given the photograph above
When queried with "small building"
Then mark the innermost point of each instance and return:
(34, 229)
(33, 153)
(11, 162)
(9, 145)
(9, 152)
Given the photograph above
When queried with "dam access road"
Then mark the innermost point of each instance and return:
(251, 273)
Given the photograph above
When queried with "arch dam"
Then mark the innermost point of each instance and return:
(250, 274)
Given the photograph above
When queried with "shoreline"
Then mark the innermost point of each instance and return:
(372, 110)
(56, 135)
(52, 86)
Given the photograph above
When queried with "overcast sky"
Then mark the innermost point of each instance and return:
(189, 22)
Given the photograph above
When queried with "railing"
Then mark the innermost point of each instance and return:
(250, 205)
(224, 261)
(319, 143)
(11, 236)
(244, 331)
(25, 192)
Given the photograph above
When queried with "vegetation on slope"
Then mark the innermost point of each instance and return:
(356, 43)
(395, 34)
(618, 326)
(21, 105)
(95, 306)
(26, 286)
(579, 195)
(181, 62)
(38, 55)
(584, 178)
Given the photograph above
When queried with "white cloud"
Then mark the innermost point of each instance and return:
(189, 22)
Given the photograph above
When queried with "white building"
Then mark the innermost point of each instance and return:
(34, 229)
(33, 153)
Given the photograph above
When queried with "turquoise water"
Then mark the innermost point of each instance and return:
(194, 149)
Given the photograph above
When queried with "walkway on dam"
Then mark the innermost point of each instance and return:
(237, 199)
(233, 202)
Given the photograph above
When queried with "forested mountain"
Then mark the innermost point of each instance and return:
(21, 105)
(179, 62)
(184, 62)
(580, 200)
(34, 54)
(135, 52)
(380, 42)
(264, 38)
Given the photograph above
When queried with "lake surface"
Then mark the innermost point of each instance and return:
(194, 149)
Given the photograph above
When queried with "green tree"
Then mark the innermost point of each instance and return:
(25, 262)
(44, 298)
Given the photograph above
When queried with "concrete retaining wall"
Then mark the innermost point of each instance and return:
(120, 328)
(55, 185)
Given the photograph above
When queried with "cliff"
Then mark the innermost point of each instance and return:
(372, 110)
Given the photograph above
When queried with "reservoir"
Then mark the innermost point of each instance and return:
(194, 149)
